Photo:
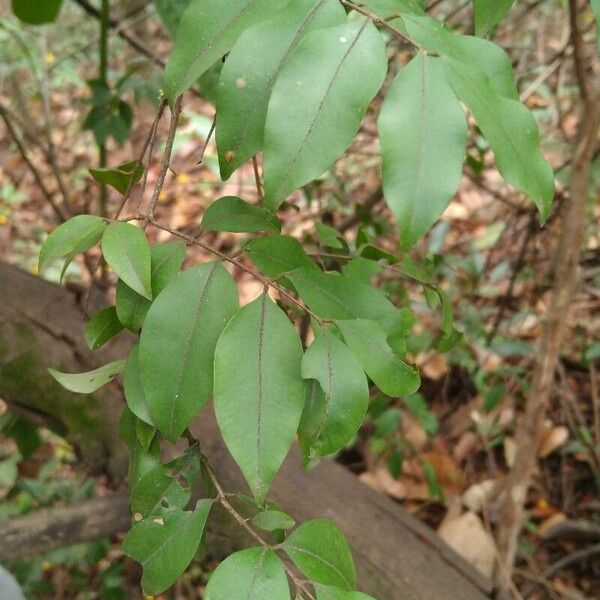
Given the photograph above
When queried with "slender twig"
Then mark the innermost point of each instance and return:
(257, 179)
(579, 59)
(51, 149)
(232, 260)
(379, 20)
(165, 163)
(243, 523)
(60, 213)
(103, 76)
(207, 140)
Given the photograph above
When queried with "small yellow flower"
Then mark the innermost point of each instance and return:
(3, 219)
(542, 504)
(46, 565)
(49, 58)
(183, 178)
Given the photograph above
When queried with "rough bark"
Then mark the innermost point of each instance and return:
(397, 557)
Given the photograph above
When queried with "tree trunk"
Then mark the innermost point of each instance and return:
(398, 558)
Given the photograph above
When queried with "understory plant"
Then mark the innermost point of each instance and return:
(294, 81)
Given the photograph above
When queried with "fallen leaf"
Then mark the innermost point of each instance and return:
(553, 440)
(479, 494)
(469, 538)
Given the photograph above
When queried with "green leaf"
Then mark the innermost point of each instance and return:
(166, 545)
(488, 13)
(141, 459)
(259, 393)
(328, 236)
(418, 407)
(318, 102)
(251, 70)
(207, 31)
(178, 341)
(492, 61)
(75, 236)
(423, 134)
(277, 255)
(170, 12)
(332, 593)
(134, 390)
(36, 12)
(332, 419)
(233, 214)
(368, 341)
(333, 296)
(168, 485)
(87, 383)
(320, 550)
(251, 574)
(166, 260)
(511, 131)
(273, 520)
(119, 177)
(126, 250)
(102, 327)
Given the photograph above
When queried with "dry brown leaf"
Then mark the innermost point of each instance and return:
(553, 440)
(479, 494)
(551, 522)
(510, 450)
(469, 538)
(468, 443)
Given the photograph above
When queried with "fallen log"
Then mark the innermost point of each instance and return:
(398, 558)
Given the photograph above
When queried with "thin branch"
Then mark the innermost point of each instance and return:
(257, 179)
(379, 20)
(579, 59)
(165, 163)
(243, 523)
(207, 141)
(232, 260)
(59, 211)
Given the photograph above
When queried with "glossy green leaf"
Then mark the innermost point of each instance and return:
(367, 340)
(333, 593)
(134, 390)
(491, 59)
(488, 13)
(71, 238)
(119, 177)
(423, 132)
(273, 520)
(233, 214)
(103, 326)
(166, 260)
(328, 236)
(170, 12)
(145, 434)
(251, 70)
(333, 296)
(126, 250)
(207, 31)
(178, 341)
(277, 255)
(259, 393)
(251, 574)
(141, 459)
(318, 102)
(37, 12)
(165, 545)
(87, 383)
(320, 550)
(511, 131)
(168, 485)
(418, 407)
(332, 419)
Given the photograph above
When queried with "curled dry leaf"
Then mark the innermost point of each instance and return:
(479, 494)
(553, 440)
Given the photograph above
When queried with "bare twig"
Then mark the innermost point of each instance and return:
(240, 265)
(259, 187)
(207, 140)
(165, 163)
(59, 211)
